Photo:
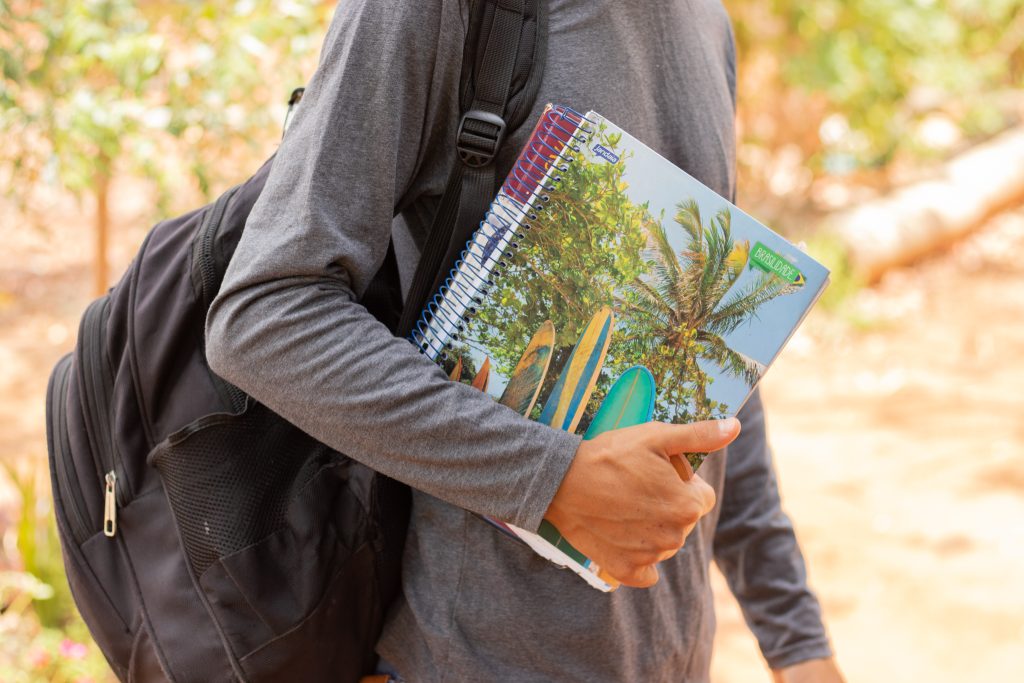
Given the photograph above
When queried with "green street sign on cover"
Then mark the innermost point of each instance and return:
(770, 262)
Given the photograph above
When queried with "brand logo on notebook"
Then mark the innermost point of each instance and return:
(606, 154)
(771, 262)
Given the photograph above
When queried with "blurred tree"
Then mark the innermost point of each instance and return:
(844, 86)
(95, 87)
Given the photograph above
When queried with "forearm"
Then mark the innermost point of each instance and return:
(756, 548)
(329, 367)
(813, 671)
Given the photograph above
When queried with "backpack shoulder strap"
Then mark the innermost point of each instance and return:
(502, 66)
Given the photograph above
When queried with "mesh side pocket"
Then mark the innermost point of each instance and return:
(231, 478)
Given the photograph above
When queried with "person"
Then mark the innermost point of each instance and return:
(372, 137)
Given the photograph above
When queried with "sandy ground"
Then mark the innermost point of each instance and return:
(896, 425)
(900, 450)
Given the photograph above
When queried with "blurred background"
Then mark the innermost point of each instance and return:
(886, 135)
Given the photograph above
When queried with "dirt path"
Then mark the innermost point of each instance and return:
(899, 450)
(898, 445)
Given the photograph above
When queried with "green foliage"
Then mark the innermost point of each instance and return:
(843, 280)
(39, 547)
(874, 70)
(31, 652)
(89, 84)
(42, 638)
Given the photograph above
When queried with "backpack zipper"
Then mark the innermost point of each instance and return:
(60, 446)
(208, 286)
(98, 386)
(110, 505)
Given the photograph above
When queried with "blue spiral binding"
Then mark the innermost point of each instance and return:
(446, 315)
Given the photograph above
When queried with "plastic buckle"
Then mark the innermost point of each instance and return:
(482, 148)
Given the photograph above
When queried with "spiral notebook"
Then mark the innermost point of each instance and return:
(606, 287)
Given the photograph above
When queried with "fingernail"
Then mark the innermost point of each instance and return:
(727, 426)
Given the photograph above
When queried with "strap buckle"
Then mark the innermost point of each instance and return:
(480, 141)
(296, 96)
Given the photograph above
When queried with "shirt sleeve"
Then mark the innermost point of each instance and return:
(286, 327)
(756, 549)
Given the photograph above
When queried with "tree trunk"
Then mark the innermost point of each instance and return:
(924, 217)
(102, 189)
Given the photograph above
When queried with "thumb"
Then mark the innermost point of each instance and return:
(698, 437)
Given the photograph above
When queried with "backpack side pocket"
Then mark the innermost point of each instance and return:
(278, 532)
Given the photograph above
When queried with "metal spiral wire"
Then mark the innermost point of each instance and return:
(528, 187)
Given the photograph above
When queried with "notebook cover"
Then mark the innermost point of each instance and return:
(629, 262)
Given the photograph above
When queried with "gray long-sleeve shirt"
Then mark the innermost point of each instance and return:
(375, 130)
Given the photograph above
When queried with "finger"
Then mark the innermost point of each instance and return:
(669, 554)
(705, 493)
(631, 571)
(637, 577)
(698, 437)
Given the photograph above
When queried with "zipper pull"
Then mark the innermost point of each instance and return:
(110, 506)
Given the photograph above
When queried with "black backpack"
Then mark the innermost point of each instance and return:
(204, 537)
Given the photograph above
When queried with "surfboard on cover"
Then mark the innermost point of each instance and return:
(456, 373)
(564, 408)
(523, 387)
(629, 402)
(481, 380)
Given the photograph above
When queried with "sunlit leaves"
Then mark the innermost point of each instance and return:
(89, 83)
(879, 66)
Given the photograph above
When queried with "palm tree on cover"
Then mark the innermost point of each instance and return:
(680, 313)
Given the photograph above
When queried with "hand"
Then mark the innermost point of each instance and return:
(628, 504)
(812, 671)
